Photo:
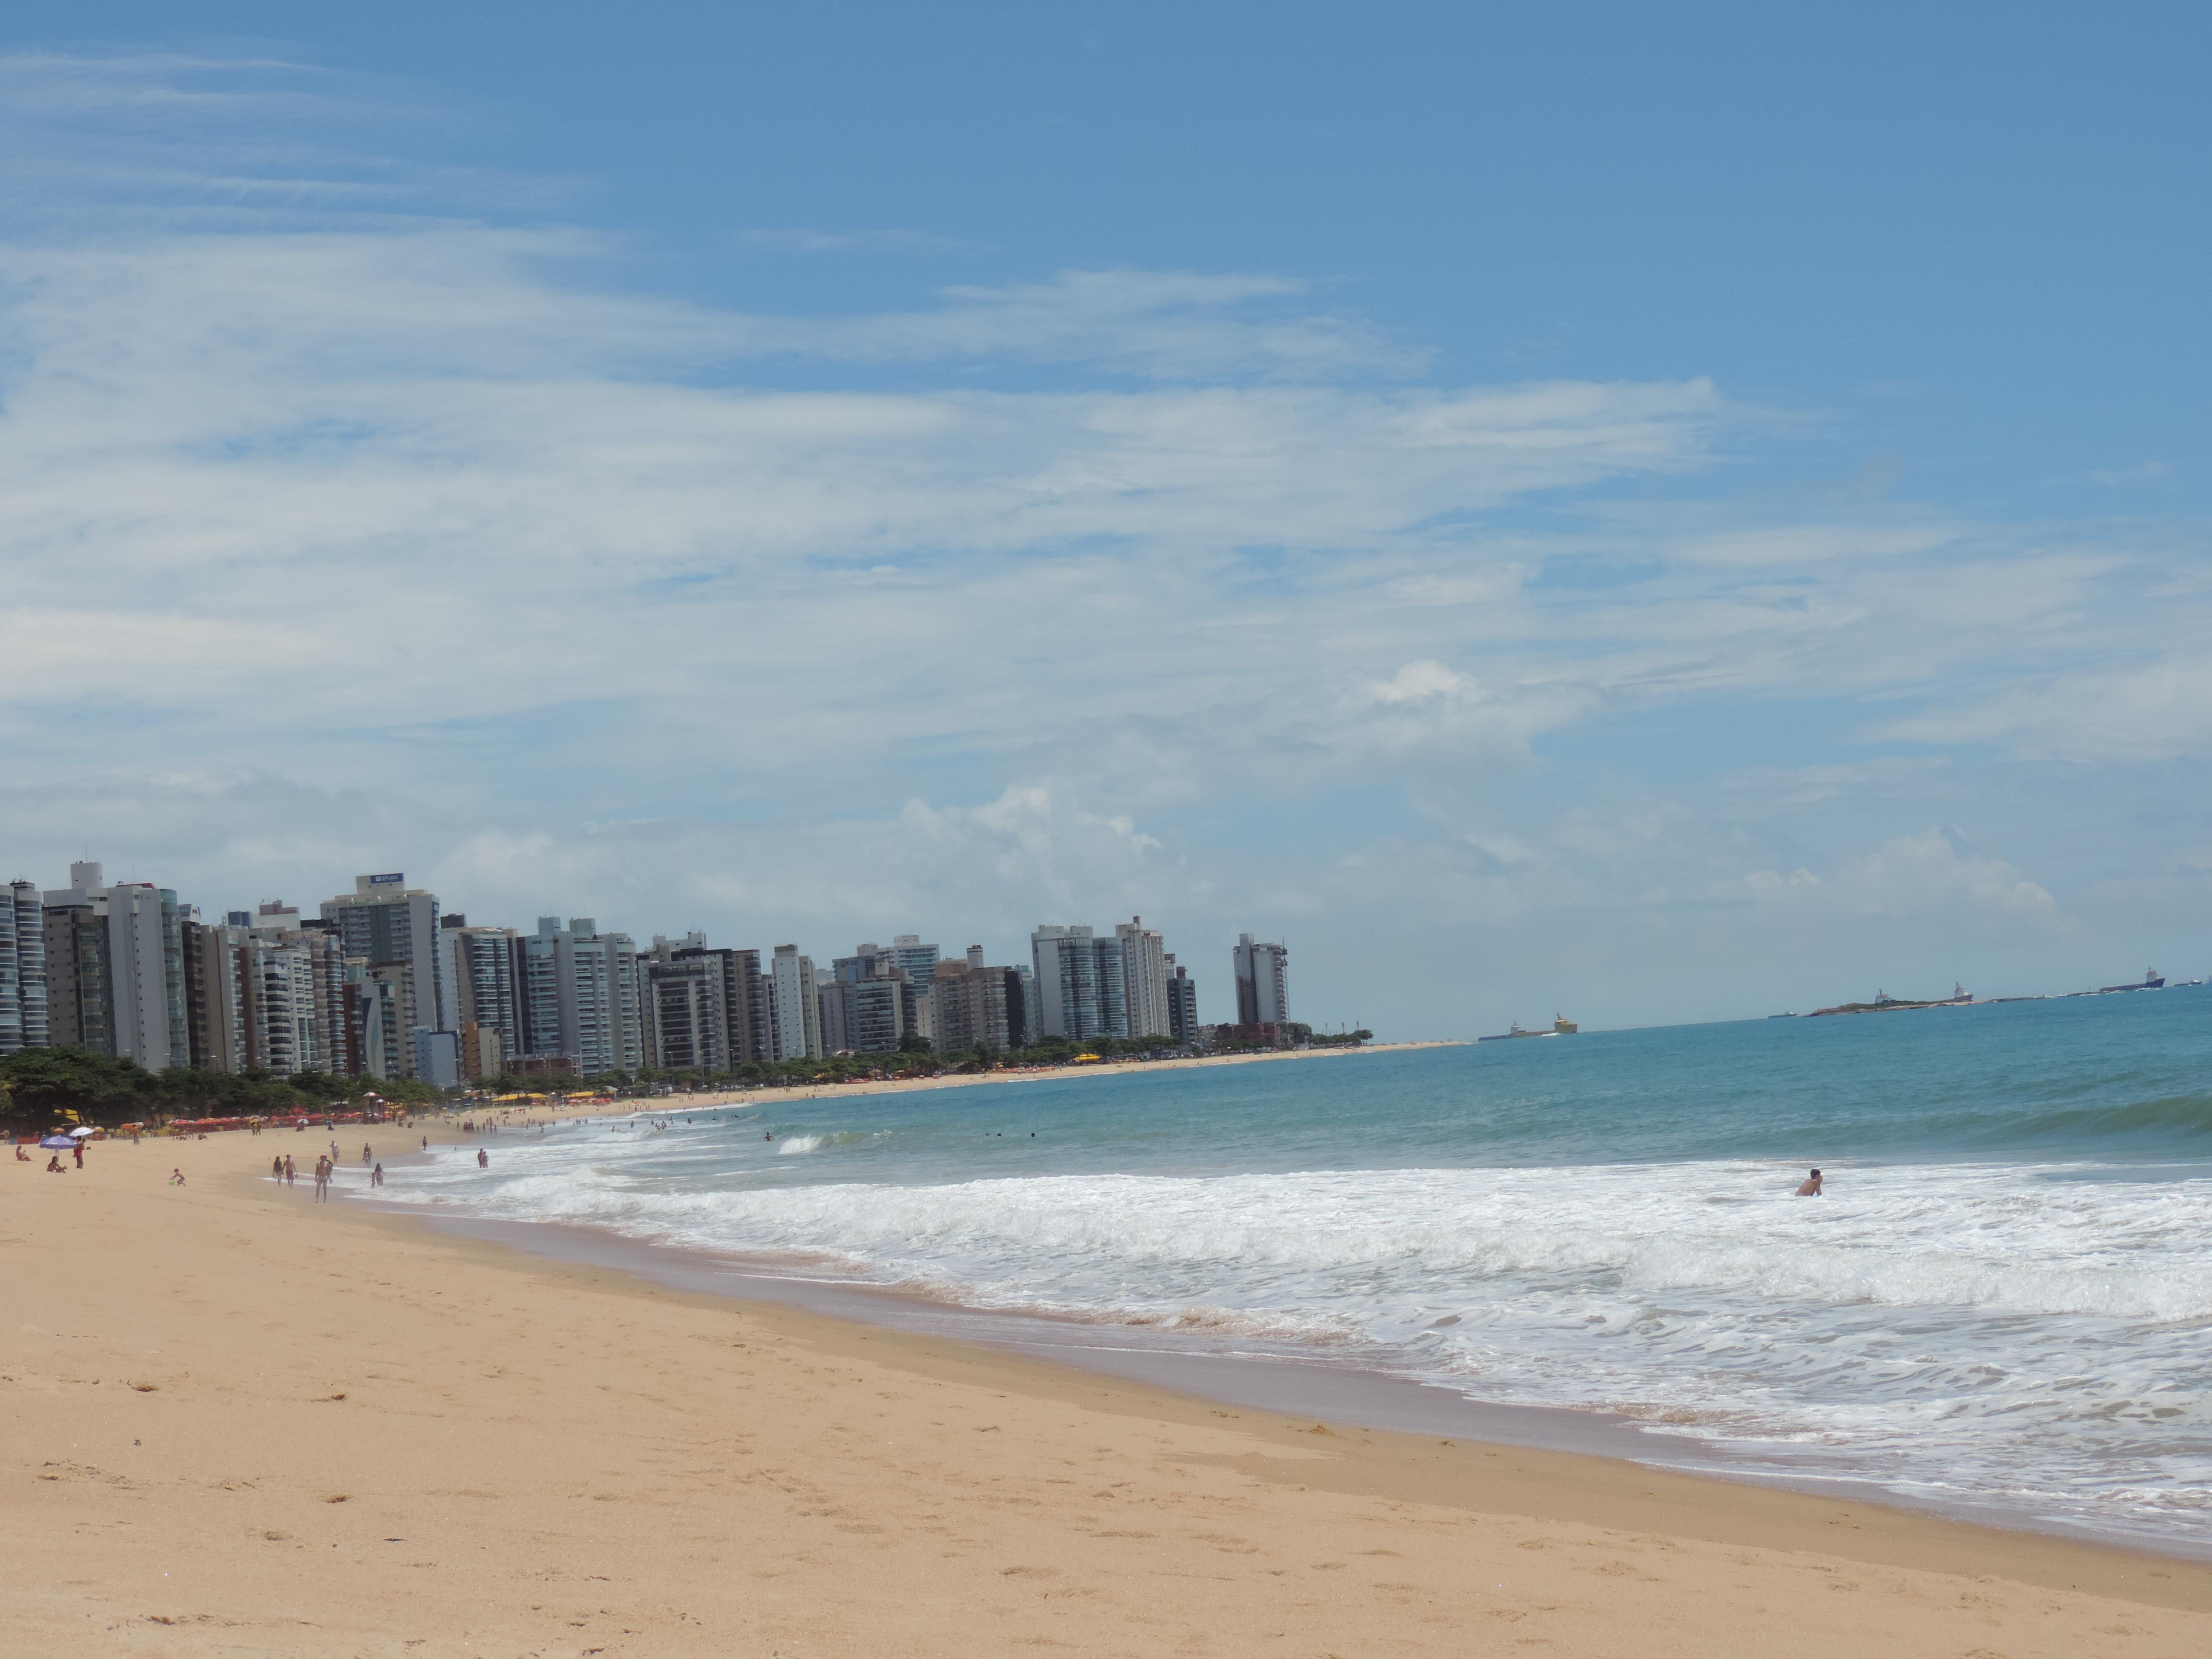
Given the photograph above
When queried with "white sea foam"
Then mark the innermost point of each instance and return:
(2020, 1334)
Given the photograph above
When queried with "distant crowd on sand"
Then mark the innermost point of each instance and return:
(282, 1168)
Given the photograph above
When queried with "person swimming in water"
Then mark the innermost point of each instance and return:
(1809, 1187)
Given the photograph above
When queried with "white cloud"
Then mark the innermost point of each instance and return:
(1912, 873)
(2155, 711)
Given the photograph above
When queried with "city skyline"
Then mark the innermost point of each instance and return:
(385, 982)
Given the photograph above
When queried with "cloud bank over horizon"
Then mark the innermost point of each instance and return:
(370, 514)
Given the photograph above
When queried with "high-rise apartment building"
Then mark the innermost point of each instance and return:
(79, 997)
(265, 990)
(23, 1023)
(390, 925)
(916, 960)
(869, 1016)
(373, 1019)
(485, 970)
(145, 950)
(794, 1008)
(1144, 980)
(1082, 988)
(123, 963)
(1032, 1026)
(217, 1006)
(698, 1006)
(971, 1003)
(1182, 1002)
(1263, 983)
(580, 996)
(296, 974)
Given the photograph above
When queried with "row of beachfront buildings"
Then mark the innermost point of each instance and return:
(382, 983)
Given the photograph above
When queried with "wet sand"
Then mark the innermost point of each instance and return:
(242, 1423)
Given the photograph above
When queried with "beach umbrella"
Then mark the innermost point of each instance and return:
(59, 1143)
(81, 1134)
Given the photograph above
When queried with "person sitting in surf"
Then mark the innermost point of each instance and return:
(1809, 1187)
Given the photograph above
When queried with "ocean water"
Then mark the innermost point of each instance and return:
(2003, 1300)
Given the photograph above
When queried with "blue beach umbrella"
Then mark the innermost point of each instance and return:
(60, 1143)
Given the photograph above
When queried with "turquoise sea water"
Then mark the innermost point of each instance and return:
(2004, 1298)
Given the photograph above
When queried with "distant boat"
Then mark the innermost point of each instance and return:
(1561, 1026)
(2152, 980)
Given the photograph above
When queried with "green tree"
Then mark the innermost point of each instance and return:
(46, 1082)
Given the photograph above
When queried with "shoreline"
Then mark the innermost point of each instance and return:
(1240, 1368)
(1260, 1374)
(702, 1101)
(244, 1423)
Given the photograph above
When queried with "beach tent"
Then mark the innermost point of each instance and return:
(59, 1143)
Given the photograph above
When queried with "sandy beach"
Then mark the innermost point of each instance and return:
(241, 1423)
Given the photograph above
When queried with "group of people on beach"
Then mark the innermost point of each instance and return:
(281, 1169)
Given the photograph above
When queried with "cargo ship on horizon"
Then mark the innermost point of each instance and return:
(1561, 1026)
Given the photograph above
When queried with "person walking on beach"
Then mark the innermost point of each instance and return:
(365, 1157)
(376, 1176)
(291, 1174)
(1809, 1187)
(322, 1181)
(275, 1169)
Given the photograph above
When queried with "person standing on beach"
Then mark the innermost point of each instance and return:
(275, 1169)
(291, 1174)
(365, 1157)
(483, 1162)
(376, 1176)
(1809, 1187)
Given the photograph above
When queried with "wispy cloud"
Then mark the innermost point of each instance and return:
(803, 240)
(2147, 472)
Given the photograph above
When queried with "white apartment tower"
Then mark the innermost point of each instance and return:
(794, 1007)
(1144, 979)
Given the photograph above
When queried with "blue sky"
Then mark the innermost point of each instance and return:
(1655, 515)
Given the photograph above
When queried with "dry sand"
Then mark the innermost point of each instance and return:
(240, 1423)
